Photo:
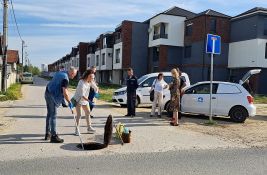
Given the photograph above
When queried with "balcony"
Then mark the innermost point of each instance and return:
(158, 36)
(117, 40)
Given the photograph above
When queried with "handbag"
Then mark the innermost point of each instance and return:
(152, 92)
(152, 95)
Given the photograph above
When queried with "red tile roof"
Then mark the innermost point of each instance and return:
(12, 56)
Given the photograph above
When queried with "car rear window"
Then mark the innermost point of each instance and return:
(27, 75)
(228, 89)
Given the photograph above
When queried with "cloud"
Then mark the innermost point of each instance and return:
(86, 26)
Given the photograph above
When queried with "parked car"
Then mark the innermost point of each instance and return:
(229, 99)
(145, 83)
(27, 78)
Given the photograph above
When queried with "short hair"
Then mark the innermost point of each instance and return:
(160, 74)
(93, 67)
(130, 69)
(72, 69)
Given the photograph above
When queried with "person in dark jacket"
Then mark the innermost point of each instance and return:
(132, 85)
(56, 91)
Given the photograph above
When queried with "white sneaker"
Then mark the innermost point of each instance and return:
(91, 130)
(77, 133)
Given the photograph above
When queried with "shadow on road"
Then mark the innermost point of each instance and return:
(28, 106)
(22, 139)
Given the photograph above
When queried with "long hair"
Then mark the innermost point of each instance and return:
(86, 74)
(175, 73)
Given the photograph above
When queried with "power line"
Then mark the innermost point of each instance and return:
(15, 19)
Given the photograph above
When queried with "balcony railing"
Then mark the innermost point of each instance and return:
(158, 36)
(117, 40)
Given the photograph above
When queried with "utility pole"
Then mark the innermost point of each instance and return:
(22, 51)
(5, 27)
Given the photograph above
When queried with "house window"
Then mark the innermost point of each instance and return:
(97, 60)
(266, 51)
(265, 27)
(103, 59)
(189, 30)
(187, 51)
(117, 55)
(213, 23)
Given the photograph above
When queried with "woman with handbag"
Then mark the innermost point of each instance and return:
(174, 87)
(157, 88)
(81, 100)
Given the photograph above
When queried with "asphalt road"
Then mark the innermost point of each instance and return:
(156, 147)
(219, 162)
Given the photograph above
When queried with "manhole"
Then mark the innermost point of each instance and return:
(107, 137)
(92, 146)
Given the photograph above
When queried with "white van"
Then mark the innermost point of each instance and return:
(145, 83)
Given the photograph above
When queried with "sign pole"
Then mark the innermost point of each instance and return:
(211, 77)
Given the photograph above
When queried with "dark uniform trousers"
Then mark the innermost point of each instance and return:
(131, 100)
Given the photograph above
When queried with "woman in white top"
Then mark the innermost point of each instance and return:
(81, 97)
(158, 86)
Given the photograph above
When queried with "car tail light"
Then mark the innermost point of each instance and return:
(250, 99)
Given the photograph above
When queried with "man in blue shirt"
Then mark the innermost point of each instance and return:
(56, 91)
(132, 85)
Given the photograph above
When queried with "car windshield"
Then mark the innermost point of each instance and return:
(141, 79)
(27, 75)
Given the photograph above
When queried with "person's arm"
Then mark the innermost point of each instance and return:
(153, 85)
(166, 86)
(136, 83)
(66, 94)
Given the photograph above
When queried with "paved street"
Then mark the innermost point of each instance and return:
(226, 162)
(156, 147)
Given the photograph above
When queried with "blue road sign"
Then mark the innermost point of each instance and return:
(213, 40)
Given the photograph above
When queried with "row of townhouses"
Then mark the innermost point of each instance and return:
(177, 38)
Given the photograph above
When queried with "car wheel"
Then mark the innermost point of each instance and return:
(137, 102)
(238, 114)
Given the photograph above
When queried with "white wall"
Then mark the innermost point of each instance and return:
(175, 30)
(249, 53)
(108, 56)
(91, 59)
(97, 53)
(117, 65)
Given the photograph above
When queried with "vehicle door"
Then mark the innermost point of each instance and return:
(228, 95)
(144, 89)
(196, 99)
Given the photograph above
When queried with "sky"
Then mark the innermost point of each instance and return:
(50, 28)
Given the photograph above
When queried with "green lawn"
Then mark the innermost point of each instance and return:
(260, 99)
(12, 93)
(106, 91)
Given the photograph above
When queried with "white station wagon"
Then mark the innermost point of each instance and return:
(142, 92)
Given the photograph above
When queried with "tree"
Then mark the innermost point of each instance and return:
(33, 69)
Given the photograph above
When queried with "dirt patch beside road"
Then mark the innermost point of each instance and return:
(5, 122)
(252, 133)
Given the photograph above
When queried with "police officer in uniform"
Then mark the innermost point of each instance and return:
(132, 85)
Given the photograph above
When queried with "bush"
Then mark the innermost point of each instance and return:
(12, 93)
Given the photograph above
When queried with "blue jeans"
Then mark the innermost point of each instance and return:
(51, 114)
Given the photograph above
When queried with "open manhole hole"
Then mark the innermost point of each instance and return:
(92, 146)
(107, 137)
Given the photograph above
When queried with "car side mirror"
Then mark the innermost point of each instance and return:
(145, 85)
